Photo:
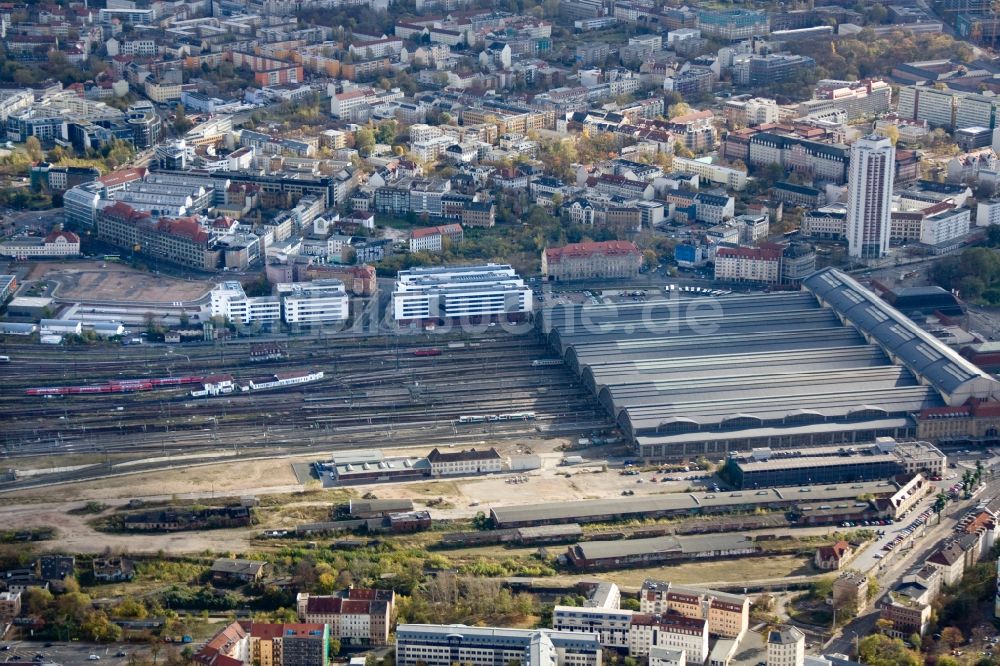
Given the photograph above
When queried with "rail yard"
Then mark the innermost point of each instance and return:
(136, 400)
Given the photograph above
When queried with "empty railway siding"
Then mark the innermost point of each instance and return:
(374, 390)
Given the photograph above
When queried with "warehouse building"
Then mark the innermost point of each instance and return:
(884, 459)
(831, 364)
(656, 550)
(678, 504)
(450, 293)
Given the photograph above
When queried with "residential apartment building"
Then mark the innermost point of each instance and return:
(786, 647)
(748, 264)
(727, 614)
(713, 208)
(592, 260)
(445, 645)
(850, 589)
(611, 624)
(10, 606)
(869, 197)
(713, 173)
(487, 291)
(671, 631)
(357, 616)
(432, 239)
(945, 227)
(828, 222)
(289, 644)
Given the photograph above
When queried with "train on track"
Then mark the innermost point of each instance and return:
(491, 418)
(427, 352)
(116, 386)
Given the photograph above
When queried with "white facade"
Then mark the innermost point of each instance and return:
(319, 302)
(869, 197)
(231, 302)
(786, 647)
(988, 212)
(945, 226)
(659, 656)
(672, 632)
(611, 624)
(444, 645)
(491, 290)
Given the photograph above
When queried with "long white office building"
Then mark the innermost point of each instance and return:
(231, 302)
(317, 302)
(476, 293)
(445, 645)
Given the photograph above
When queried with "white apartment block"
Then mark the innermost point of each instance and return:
(611, 624)
(431, 149)
(356, 616)
(988, 212)
(674, 632)
(480, 292)
(945, 226)
(714, 173)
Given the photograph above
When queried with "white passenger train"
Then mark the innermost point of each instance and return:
(491, 418)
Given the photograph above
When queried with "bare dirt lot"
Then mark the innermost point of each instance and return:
(86, 280)
(460, 498)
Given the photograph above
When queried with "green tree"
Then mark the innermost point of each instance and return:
(364, 141)
(181, 122)
(386, 132)
(34, 148)
(879, 650)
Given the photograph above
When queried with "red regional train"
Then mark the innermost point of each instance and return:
(117, 386)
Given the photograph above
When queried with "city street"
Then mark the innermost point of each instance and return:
(889, 575)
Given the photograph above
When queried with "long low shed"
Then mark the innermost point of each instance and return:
(677, 504)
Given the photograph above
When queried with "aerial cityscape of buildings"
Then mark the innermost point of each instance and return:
(456, 332)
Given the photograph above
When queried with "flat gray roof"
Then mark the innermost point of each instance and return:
(590, 510)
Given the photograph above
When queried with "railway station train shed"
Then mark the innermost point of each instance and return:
(830, 364)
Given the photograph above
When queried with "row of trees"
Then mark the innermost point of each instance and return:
(975, 273)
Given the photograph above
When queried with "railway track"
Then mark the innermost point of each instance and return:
(375, 389)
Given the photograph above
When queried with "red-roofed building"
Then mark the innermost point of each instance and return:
(356, 616)
(56, 244)
(585, 261)
(288, 644)
(229, 647)
(431, 239)
(761, 265)
(181, 241)
(831, 558)
(117, 180)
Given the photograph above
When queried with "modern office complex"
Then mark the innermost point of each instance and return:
(476, 293)
(869, 197)
(444, 645)
(832, 364)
